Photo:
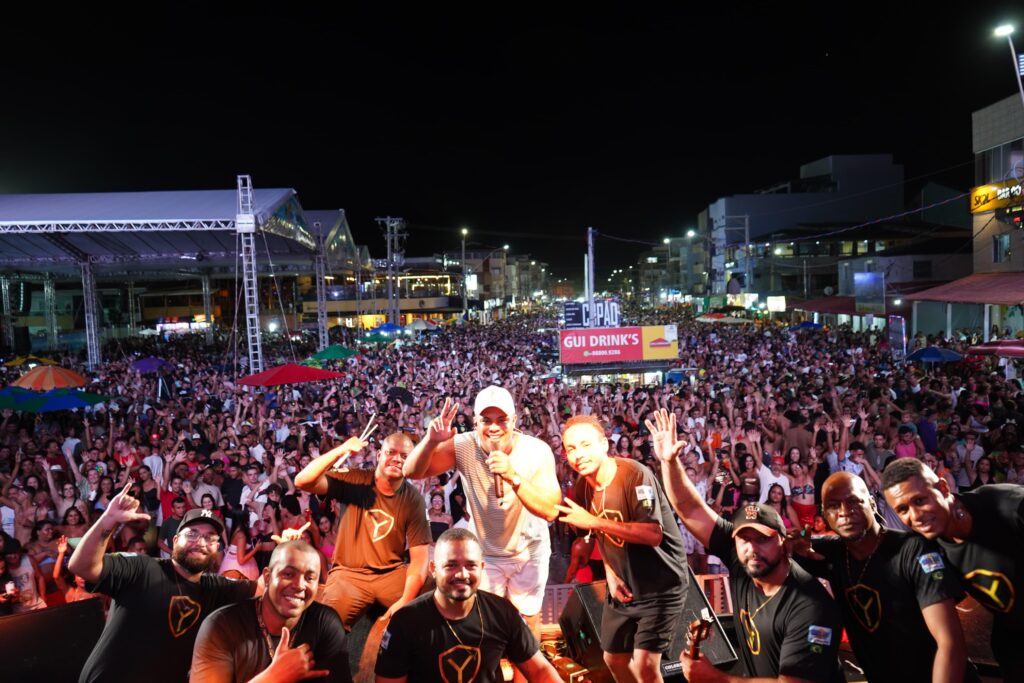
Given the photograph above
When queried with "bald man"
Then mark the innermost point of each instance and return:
(897, 597)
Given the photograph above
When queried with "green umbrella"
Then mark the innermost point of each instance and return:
(334, 352)
(375, 339)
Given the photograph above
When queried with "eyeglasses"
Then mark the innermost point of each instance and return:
(193, 536)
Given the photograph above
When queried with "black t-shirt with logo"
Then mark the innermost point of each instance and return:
(420, 645)
(654, 574)
(231, 646)
(375, 529)
(154, 618)
(991, 561)
(882, 601)
(795, 632)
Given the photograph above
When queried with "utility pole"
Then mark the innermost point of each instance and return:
(590, 274)
(465, 294)
(805, 279)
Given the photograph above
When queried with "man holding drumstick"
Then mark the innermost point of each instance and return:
(384, 514)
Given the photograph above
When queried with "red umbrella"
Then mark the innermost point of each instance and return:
(46, 377)
(1004, 348)
(289, 373)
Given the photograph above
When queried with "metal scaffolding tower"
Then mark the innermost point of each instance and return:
(245, 224)
(395, 235)
(320, 274)
(50, 303)
(207, 307)
(133, 308)
(92, 340)
(7, 319)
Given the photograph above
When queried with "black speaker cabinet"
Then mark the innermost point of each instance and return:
(74, 628)
(581, 627)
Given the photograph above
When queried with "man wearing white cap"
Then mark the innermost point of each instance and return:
(511, 490)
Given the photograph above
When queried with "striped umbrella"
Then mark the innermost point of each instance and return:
(21, 360)
(46, 377)
(1004, 348)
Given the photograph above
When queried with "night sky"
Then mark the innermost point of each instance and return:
(526, 127)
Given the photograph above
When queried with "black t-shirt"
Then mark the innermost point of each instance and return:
(881, 601)
(654, 574)
(418, 642)
(154, 618)
(231, 489)
(794, 632)
(991, 561)
(231, 646)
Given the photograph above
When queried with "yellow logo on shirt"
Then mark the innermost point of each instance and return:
(381, 524)
(992, 589)
(459, 664)
(182, 614)
(866, 605)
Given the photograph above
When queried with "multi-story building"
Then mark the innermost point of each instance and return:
(995, 291)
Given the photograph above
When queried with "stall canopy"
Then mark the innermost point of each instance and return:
(1006, 289)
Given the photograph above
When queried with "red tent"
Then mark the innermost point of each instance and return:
(289, 373)
(1004, 348)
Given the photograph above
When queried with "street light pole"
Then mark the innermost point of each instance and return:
(465, 304)
(1007, 31)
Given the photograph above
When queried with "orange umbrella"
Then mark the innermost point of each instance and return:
(46, 377)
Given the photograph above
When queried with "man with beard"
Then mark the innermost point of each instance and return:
(621, 502)
(788, 625)
(512, 526)
(982, 534)
(157, 604)
(384, 515)
(280, 637)
(458, 633)
(897, 597)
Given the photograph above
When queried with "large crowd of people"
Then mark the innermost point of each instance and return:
(357, 483)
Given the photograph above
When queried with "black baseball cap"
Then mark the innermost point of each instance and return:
(201, 515)
(760, 516)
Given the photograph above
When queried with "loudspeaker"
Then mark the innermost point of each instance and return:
(74, 628)
(581, 627)
(22, 341)
(22, 295)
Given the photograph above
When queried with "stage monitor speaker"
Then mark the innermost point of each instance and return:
(581, 627)
(22, 298)
(22, 341)
(73, 628)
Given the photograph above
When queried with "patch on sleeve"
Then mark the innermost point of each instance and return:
(645, 494)
(931, 562)
(819, 635)
(385, 639)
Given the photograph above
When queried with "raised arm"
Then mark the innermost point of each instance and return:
(435, 453)
(87, 560)
(687, 502)
(313, 477)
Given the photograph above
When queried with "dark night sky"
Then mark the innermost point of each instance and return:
(526, 127)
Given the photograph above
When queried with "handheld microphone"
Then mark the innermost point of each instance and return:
(499, 482)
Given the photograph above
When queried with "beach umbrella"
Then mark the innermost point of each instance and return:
(150, 365)
(289, 373)
(419, 325)
(21, 360)
(934, 354)
(334, 352)
(62, 399)
(387, 328)
(1004, 348)
(11, 398)
(46, 377)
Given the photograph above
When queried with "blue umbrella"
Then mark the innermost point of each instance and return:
(149, 365)
(934, 354)
(805, 325)
(387, 328)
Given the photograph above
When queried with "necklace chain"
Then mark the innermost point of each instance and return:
(266, 633)
(864, 569)
(480, 615)
(762, 605)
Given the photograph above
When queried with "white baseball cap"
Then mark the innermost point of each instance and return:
(494, 397)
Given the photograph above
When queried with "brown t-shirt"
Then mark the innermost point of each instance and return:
(376, 529)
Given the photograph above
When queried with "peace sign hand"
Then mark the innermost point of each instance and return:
(440, 429)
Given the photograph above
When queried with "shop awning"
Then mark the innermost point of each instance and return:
(1006, 289)
(844, 305)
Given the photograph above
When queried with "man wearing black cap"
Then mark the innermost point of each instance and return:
(157, 604)
(786, 621)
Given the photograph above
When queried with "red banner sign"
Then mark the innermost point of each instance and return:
(600, 345)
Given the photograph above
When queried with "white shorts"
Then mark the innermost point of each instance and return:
(520, 579)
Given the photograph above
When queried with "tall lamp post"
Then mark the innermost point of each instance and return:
(1006, 31)
(465, 303)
